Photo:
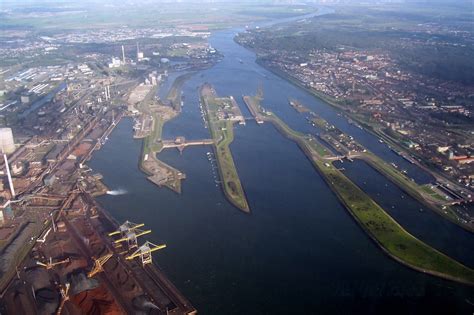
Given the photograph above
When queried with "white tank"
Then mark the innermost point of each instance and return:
(7, 145)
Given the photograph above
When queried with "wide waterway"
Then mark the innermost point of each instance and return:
(299, 251)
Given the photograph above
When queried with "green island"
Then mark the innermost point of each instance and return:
(221, 113)
(379, 225)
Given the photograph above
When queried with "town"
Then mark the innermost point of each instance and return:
(427, 116)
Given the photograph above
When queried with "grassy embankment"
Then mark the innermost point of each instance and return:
(423, 194)
(222, 132)
(382, 228)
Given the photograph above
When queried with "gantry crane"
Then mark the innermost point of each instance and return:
(99, 265)
(126, 227)
(144, 252)
(64, 297)
(129, 233)
(131, 237)
(50, 265)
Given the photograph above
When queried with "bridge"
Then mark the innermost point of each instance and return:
(349, 157)
(180, 143)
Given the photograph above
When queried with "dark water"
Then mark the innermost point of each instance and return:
(299, 252)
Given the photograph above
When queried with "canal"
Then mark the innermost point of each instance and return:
(299, 251)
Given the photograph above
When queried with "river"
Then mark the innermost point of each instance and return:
(299, 252)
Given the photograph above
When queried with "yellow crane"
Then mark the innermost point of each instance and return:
(99, 265)
(126, 227)
(144, 252)
(50, 265)
(131, 237)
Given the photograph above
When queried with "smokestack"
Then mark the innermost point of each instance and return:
(54, 224)
(10, 181)
(123, 54)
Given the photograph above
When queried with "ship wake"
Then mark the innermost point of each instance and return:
(117, 192)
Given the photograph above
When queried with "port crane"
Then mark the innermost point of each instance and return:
(129, 233)
(126, 227)
(50, 265)
(144, 252)
(131, 237)
(99, 265)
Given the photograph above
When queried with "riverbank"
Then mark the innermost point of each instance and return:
(381, 227)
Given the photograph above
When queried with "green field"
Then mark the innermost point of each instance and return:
(55, 17)
(222, 132)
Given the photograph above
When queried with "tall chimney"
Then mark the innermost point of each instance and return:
(10, 181)
(123, 54)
